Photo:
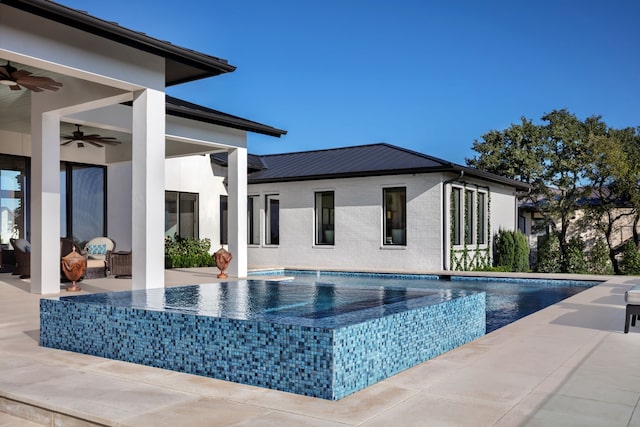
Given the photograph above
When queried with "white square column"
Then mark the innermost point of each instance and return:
(45, 202)
(237, 187)
(148, 162)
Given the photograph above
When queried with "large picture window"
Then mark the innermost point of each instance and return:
(181, 214)
(253, 220)
(272, 219)
(325, 232)
(12, 198)
(82, 201)
(395, 216)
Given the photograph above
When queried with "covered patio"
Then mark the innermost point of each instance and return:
(117, 93)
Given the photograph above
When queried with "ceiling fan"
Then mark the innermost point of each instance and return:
(93, 139)
(14, 78)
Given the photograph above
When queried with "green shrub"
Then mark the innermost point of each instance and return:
(511, 251)
(575, 261)
(548, 254)
(182, 252)
(598, 261)
(630, 263)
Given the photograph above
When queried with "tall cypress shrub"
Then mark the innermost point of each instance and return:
(511, 251)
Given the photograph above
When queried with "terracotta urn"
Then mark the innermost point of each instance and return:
(223, 258)
(73, 266)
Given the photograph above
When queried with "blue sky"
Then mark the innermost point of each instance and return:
(430, 76)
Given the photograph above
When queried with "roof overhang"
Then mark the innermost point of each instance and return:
(182, 65)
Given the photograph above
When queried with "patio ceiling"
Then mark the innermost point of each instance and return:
(15, 109)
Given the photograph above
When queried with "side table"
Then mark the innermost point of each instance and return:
(120, 264)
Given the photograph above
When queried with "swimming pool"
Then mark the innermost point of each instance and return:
(319, 340)
(508, 299)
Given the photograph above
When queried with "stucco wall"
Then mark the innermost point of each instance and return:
(359, 228)
(358, 225)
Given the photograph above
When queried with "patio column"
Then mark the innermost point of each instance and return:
(148, 151)
(45, 201)
(237, 188)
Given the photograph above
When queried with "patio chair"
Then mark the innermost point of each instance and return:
(22, 251)
(98, 252)
(632, 298)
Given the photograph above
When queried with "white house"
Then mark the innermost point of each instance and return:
(60, 67)
(373, 208)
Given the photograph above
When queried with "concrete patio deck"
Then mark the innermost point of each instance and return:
(567, 365)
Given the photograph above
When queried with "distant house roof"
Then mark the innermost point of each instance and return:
(179, 108)
(357, 161)
(182, 65)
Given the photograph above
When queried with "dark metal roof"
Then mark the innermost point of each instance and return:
(179, 108)
(357, 161)
(182, 65)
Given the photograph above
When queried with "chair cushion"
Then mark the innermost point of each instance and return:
(22, 245)
(632, 296)
(95, 263)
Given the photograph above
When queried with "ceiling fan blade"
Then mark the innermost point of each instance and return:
(30, 87)
(67, 142)
(4, 73)
(93, 143)
(110, 142)
(20, 74)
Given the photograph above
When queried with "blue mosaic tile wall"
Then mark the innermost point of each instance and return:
(319, 362)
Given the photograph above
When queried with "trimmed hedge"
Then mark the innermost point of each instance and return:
(182, 252)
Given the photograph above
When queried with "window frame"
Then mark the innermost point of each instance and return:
(389, 218)
(324, 219)
(180, 226)
(253, 220)
(268, 219)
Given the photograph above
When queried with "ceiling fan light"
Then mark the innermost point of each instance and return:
(80, 144)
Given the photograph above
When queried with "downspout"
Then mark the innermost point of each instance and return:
(446, 222)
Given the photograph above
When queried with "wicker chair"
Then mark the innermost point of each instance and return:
(98, 252)
(22, 250)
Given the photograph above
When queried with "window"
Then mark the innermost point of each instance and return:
(253, 221)
(272, 220)
(469, 217)
(325, 218)
(395, 215)
(456, 215)
(224, 220)
(482, 218)
(12, 198)
(181, 214)
(82, 201)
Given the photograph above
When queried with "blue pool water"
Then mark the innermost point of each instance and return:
(507, 299)
(305, 304)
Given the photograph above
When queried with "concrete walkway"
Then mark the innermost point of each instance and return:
(568, 365)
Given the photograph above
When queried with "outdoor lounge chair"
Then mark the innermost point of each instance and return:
(98, 251)
(632, 298)
(22, 250)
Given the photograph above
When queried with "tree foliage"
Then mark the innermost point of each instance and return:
(569, 163)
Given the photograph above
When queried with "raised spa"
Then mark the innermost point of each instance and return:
(317, 340)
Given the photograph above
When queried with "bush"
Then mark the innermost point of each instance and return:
(630, 263)
(598, 261)
(182, 252)
(548, 254)
(575, 261)
(511, 251)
